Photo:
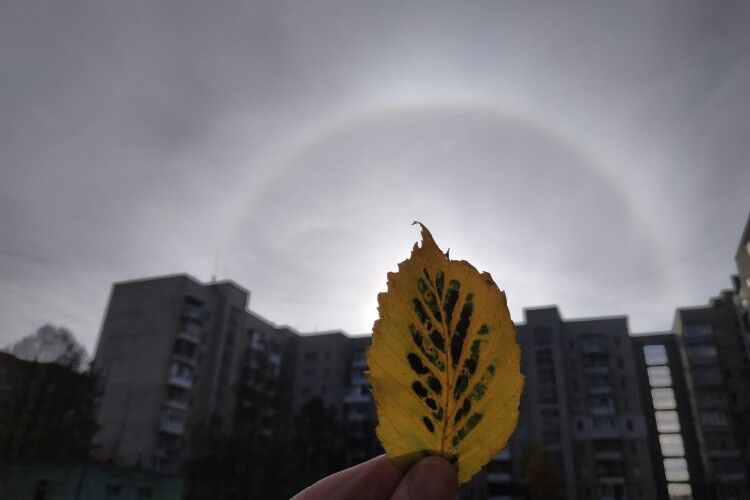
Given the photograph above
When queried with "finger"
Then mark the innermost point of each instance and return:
(432, 478)
(375, 479)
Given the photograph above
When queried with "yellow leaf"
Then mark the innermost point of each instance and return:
(444, 363)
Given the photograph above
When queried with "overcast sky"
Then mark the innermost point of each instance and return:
(592, 155)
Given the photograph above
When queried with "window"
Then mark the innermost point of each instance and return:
(659, 376)
(707, 376)
(597, 381)
(550, 424)
(545, 375)
(603, 422)
(671, 445)
(311, 356)
(679, 490)
(667, 421)
(600, 401)
(547, 394)
(595, 361)
(702, 351)
(655, 354)
(698, 331)
(717, 418)
(663, 399)
(595, 344)
(676, 469)
(542, 336)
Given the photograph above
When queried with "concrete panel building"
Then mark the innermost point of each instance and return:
(581, 409)
(171, 354)
(718, 378)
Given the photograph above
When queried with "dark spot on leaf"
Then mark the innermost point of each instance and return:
(434, 384)
(431, 403)
(483, 330)
(416, 364)
(457, 343)
(463, 411)
(461, 382)
(419, 309)
(438, 414)
(437, 340)
(450, 300)
(428, 424)
(419, 389)
(439, 281)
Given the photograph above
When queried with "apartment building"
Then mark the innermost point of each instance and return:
(582, 426)
(171, 355)
(718, 378)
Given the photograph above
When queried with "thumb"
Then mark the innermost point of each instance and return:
(432, 478)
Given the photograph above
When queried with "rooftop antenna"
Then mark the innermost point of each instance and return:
(216, 266)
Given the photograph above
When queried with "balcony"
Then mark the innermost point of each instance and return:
(359, 362)
(723, 454)
(356, 416)
(180, 380)
(192, 312)
(612, 479)
(596, 370)
(604, 410)
(185, 358)
(594, 345)
(190, 336)
(176, 404)
(172, 427)
(499, 477)
(356, 396)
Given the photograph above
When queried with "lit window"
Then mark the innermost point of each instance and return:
(679, 490)
(659, 376)
(671, 445)
(667, 421)
(655, 355)
(663, 399)
(676, 469)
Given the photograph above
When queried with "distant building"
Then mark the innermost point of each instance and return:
(172, 354)
(718, 379)
(582, 427)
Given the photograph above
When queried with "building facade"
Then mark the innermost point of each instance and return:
(718, 379)
(171, 356)
(582, 431)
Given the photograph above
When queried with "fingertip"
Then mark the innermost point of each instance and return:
(433, 478)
